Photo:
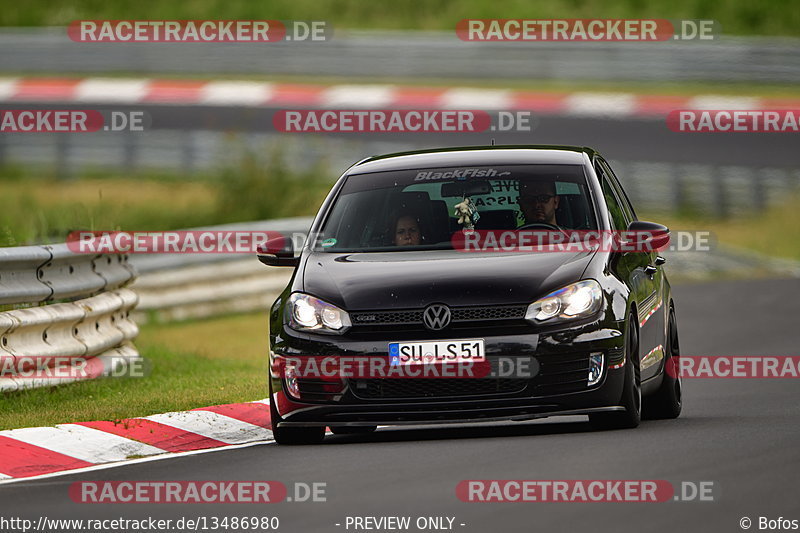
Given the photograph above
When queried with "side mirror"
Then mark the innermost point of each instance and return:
(278, 252)
(642, 236)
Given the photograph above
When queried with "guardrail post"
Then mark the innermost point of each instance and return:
(187, 154)
(130, 151)
(678, 192)
(720, 196)
(62, 156)
(759, 198)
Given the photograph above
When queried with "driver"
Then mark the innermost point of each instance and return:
(538, 202)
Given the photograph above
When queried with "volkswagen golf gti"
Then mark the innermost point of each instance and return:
(417, 300)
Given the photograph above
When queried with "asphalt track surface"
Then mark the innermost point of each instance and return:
(626, 139)
(741, 434)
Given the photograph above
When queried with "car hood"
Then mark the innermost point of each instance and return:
(408, 280)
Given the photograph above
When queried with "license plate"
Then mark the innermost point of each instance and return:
(436, 352)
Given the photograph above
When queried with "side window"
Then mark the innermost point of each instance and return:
(618, 219)
(621, 194)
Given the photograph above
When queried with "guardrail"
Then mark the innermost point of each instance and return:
(69, 316)
(181, 286)
(413, 54)
(653, 185)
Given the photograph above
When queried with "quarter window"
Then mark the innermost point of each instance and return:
(618, 219)
(621, 195)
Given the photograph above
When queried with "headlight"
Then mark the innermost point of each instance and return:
(579, 300)
(306, 313)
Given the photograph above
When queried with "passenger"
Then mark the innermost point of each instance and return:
(406, 230)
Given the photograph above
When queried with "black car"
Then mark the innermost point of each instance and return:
(384, 276)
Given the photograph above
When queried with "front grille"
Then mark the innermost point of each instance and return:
(557, 374)
(561, 374)
(500, 312)
(388, 388)
(319, 390)
(386, 318)
(616, 356)
(461, 316)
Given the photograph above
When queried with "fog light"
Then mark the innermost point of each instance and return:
(595, 368)
(292, 387)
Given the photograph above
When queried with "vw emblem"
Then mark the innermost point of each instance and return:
(436, 317)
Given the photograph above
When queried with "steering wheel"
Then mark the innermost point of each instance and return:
(541, 225)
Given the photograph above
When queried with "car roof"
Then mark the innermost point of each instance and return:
(475, 155)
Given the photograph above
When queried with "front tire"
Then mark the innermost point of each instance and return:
(667, 402)
(631, 398)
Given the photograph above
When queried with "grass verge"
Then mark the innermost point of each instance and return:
(777, 17)
(39, 208)
(775, 232)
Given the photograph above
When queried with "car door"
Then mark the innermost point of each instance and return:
(648, 276)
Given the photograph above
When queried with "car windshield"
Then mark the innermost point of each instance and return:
(424, 208)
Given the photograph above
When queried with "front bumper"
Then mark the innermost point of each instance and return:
(560, 385)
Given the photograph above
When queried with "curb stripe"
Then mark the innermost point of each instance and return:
(541, 102)
(82, 443)
(417, 97)
(601, 104)
(149, 459)
(724, 102)
(8, 88)
(360, 96)
(459, 98)
(20, 459)
(46, 89)
(780, 103)
(111, 90)
(648, 105)
(174, 91)
(236, 93)
(214, 426)
(46, 451)
(288, 95)
(251, 413)
(161, 436)
(302, 95)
